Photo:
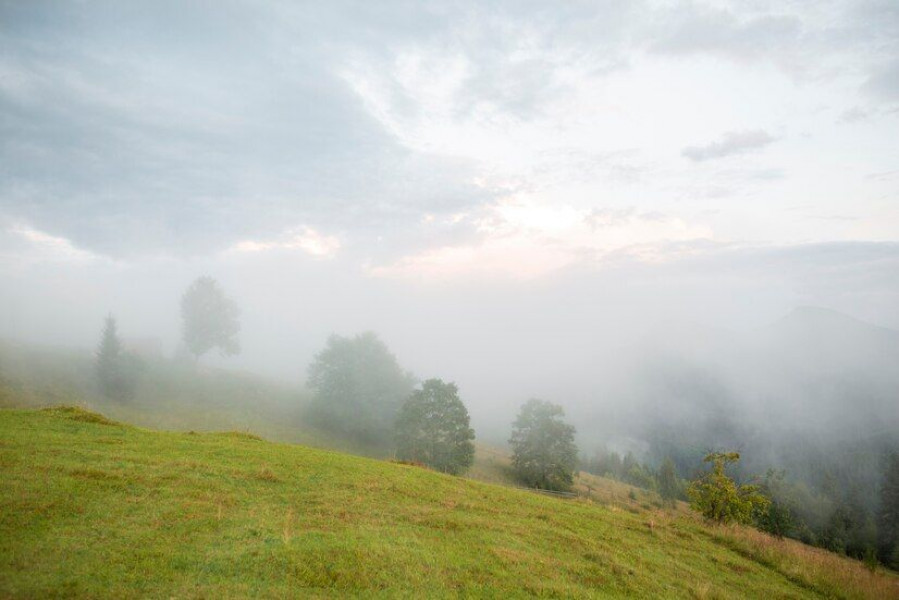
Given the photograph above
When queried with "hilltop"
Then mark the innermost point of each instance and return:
(91, 507)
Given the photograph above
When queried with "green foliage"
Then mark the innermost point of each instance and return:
(628, 470)
(719, 498)
(209, 319)
(888, 515)
(433, 428)
(870, 559)
(850, 529)
(358, 388)
(777, 518)
(669, 484)
(544, 454)
(116, 370)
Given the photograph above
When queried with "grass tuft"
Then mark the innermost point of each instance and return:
(77, 413)
(239, 435)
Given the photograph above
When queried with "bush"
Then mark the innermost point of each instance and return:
(719, 498)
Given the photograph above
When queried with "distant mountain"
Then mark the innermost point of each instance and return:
(814, 372)
(838, 340)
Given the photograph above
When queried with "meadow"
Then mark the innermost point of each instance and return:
(95, 508)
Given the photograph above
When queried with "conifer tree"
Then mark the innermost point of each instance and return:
(114, 368)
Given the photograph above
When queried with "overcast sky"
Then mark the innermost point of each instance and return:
(411, 167)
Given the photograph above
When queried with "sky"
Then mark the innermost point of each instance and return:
(504, 191)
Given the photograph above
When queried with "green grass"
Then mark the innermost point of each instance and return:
(92, 508)
(170, 395)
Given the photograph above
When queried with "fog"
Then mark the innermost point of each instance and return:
(601, 342)
(514, 200)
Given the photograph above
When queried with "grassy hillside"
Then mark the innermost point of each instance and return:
(92, 508)
(169, 394)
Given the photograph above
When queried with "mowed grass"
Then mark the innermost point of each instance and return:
(93, 508)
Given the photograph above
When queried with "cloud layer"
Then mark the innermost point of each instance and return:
(418, 138)
(730, 144)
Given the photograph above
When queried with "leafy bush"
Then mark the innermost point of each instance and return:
(719, 498)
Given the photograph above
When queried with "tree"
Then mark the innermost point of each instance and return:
(544, 454)
(209, 319)
(719, 498)
(888, 516)
(669, 485)
(357, 388)
(777, 518)
(116, 370)
(433, 428)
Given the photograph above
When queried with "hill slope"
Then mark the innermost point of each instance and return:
(92, 508)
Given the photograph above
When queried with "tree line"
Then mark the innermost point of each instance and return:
(361, 394)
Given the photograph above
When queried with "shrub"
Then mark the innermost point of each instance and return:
(719, 498)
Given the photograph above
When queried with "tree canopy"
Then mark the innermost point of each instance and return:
(358, 388)
(544, 454)
(433, 428)
(209, 319)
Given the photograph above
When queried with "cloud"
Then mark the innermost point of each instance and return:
(883, 84)
(525, 240)
(693, 29)
(730, 144)
(305, 239)
(25, 244)
(135, 144)
(135, 130)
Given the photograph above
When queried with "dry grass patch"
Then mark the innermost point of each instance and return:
(818, 569)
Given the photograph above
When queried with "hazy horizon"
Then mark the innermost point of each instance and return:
(516, 198)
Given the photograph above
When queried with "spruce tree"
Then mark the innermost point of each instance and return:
(113, 377)
(669, 486)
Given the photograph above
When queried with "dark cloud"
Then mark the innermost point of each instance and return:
(696, 28)
(730, 144)
(165, 127)
(143, 129)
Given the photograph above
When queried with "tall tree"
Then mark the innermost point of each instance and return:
(358, 388)
(209, 319)
(669, 485)
(544, 454)
(433, 428)
(115, 369)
